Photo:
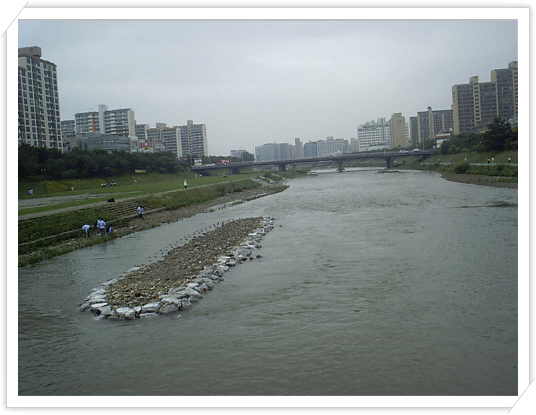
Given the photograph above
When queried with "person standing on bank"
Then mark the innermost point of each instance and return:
(185, 184)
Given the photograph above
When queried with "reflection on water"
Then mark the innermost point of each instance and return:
(374, 284)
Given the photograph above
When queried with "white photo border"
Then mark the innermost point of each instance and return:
(519, 14)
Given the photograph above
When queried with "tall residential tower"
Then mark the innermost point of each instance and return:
(39, 108)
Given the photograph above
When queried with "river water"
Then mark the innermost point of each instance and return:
(370, 284)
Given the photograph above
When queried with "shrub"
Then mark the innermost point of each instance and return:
(461, 168)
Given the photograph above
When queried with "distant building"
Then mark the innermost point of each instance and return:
(114, 122)
(475, 105)
(310, 149)
(354, 145)
(374, 135)
(298, 149)
(105, 142)
(243, 155)
(399, 130)
(268, 152)
(433, 122)
(414, 131)
(154, 141)
(171, 140)
(67, 129)
(141, 132)
(193, 140)
(39, 108)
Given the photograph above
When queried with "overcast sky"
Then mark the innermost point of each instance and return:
(253, 82)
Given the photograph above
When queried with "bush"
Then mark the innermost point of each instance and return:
(461, 168)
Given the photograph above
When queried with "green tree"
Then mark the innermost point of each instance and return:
(497, 136)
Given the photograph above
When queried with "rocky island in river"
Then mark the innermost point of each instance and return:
(183, 276)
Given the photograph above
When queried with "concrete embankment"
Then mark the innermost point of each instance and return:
(183, 276)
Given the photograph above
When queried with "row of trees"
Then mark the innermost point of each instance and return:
(499, 137)
(51, 163)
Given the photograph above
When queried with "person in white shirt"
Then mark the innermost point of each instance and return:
(85, 229)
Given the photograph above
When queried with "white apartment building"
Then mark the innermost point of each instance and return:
(193, 139)
(114, 122)
(39, 110)
(374, 135)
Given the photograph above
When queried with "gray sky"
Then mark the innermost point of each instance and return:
(253, 82)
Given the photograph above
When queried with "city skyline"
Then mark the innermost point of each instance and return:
(282, 80)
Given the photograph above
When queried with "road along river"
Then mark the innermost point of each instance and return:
(369, 284)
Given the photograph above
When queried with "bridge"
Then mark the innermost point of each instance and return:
(339, 160)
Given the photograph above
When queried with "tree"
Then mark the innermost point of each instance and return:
(497, 136)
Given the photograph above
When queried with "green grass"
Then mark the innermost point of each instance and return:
(143, 185)
(38, 209)
(459, 164)
(45, 226)
(146, 183)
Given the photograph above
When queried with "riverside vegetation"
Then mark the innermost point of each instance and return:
(55, 234)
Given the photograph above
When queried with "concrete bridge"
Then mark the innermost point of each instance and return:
(339, 160)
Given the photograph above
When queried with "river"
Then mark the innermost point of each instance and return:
(370, 284)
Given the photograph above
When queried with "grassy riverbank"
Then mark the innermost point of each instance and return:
(460, 167)
(56, 234)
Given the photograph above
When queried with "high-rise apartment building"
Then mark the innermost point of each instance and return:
(268, 152)
(114, 122)
(310, 149)
(475, 105)
(374, 135)
(141, 132)
(154, 142)
(298, 148)
(39, 108)
(67, 129)
(171, 140)
(414, 131)
(162, 138)
(193, 139)
(399, 130)
(433, 122)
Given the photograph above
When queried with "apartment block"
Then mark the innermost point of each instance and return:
(374, 135)
(141, 131)
(399, 130)
(39, 109)
(67, 129)
(193, 139)
(414, 131)
(114, 122)
(476, 104)
(433, 122)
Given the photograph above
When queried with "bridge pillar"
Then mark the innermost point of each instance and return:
(340, 166)
(283, 167)
(389, 162)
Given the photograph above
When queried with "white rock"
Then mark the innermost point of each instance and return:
(150, 308)
(145, 315)
(169, 299)
(192, 293)
(168, 308)
(96, 306)
(134, 269)
(126, 312)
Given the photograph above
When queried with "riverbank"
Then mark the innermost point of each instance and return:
(480, 179)
(467, 168)
(154, 219)
(182, 276)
